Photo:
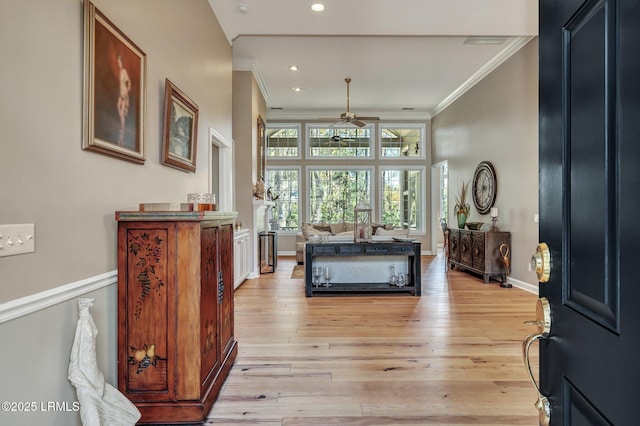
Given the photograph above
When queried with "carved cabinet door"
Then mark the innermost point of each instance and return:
(465, 248)
(454, 245)
(477, 250)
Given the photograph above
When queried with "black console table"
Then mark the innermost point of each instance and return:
(366, 282)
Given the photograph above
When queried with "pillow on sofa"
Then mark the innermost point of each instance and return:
(402, 233)
(323, 227)
(349, 226)
(337, 228)
(308, 229)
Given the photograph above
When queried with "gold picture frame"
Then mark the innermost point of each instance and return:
(114, 90)
(180, 129)
(262, 148)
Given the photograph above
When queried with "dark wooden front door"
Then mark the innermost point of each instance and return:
(589, 205)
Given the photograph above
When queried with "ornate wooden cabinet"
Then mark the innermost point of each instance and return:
(478, 251)
(176, 341)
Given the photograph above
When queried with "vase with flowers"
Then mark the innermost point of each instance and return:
(462, 208)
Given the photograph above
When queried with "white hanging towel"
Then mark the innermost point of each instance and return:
(100, 403)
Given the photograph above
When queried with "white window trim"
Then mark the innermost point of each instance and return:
(423, 140)
(300, 200)
(301, 145)
(423, 201)
(307, 142)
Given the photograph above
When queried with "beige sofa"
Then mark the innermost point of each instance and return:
(329, 229)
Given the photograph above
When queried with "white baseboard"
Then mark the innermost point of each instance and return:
(531, 288)
(36, 302)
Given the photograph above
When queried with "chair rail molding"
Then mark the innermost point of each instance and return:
(36, 302)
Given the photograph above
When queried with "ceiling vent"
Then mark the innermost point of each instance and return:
(485, 40)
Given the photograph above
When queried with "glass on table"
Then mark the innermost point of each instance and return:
(316, 271)
(393, 278)
(328, 275)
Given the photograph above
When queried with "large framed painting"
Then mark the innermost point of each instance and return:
(262, 148)
(180, 129)
(114, 90)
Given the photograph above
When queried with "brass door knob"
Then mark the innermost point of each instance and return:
(541, 262)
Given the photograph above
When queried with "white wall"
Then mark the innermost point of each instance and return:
(47, 179)
(70, 194)
(497, 121)
(248, 103)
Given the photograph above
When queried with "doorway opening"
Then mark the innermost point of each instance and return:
(440, 202)
(220, 172)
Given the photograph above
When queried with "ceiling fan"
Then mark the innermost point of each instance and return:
(350, 117)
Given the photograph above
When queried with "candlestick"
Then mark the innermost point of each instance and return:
(494, 219)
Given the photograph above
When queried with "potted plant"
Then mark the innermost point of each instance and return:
(462, 208)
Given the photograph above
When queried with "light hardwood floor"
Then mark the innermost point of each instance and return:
(450, 357)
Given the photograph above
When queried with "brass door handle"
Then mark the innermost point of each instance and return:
(543, 323)
(541, 262)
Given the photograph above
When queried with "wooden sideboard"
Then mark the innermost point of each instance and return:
(478, 251)
(176, 340)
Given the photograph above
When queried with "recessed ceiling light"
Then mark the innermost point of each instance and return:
(298, 89)
(294, 68)
(317, 7)
(243, 8)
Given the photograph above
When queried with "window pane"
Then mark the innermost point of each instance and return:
(283, 141)
(340, 142)
(399, 142)
(333, 194)
(401, 202)
(284, 185)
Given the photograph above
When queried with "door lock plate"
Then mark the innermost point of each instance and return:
(541, 262)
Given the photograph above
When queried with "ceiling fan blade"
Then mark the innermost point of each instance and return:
(358, 123)
(369, 118)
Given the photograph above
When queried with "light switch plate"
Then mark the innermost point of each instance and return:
(17, 239)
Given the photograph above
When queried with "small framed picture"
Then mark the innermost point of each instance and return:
(180, 129)
(114, 90)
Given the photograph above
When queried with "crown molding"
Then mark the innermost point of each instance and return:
(494, 63)
(250, 64)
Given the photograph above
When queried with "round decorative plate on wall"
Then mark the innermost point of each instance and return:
(484, 187)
